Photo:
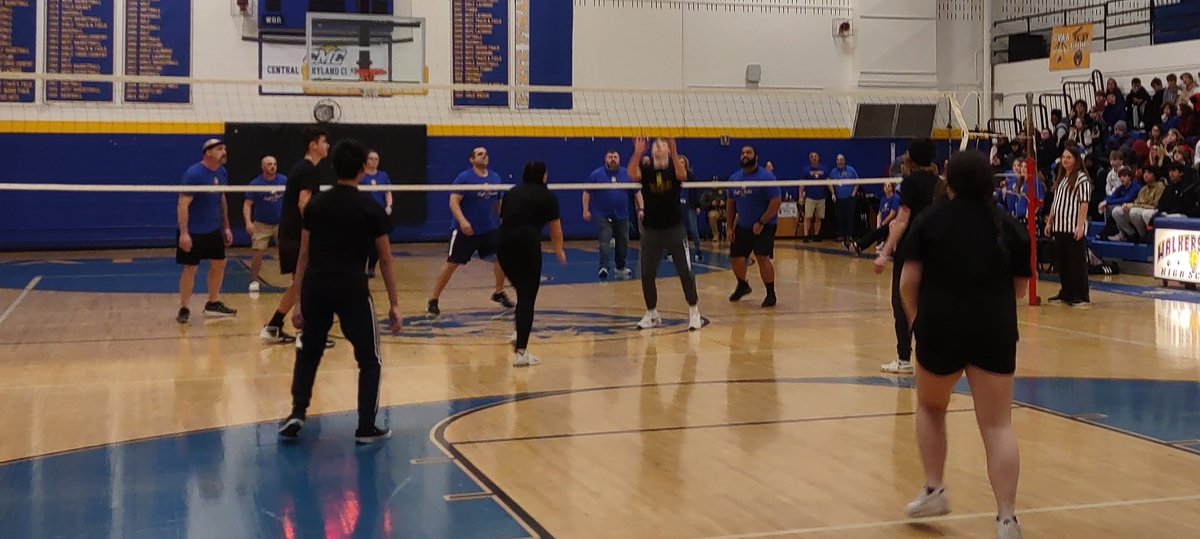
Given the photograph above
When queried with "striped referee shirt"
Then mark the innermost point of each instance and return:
(1066, 203)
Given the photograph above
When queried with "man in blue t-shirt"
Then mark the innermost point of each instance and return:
(476, 215)
(845, 198)
(609, 208)
(261, 212)
(373, 176)
(750, 215)
(203, 233)
(814, 197)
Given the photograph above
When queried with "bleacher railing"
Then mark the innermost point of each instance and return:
(1119, 25)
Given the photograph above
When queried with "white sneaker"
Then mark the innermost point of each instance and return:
(897, 367)
(928, 504)
(1008, 528)
(694, 320)
(525, 359)
(650, 321)
(625, 273)
(254, 287)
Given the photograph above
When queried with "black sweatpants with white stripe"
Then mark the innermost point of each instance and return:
(348, 297)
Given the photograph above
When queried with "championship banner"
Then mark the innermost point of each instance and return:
(1071, 47)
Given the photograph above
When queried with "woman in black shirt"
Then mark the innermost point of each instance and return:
(524, 210)
(965, 265)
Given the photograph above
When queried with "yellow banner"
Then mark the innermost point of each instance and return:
(1071, 47)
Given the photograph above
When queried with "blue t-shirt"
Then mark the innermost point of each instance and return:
(843, 191)
(479, 207)
(204, 215)
(380, 178)
(609, 203)
(268, 207)
(752, 202)
(887, 205)
(815, 192)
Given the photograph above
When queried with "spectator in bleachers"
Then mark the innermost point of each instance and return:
(1158, 161)
(1154, 105)
(1135, 104)
(1114, 105)
(1048, 148)
(1099, 103)
(1154, 136)
(1132, 219)
(1079, 110)
(1174, 138)
(1099, 129)
(845, 199)
(1179, 199)
(1079, 135)
(1060, 125)
(1189, 122)
(1120, 136)
(1169, 117)
(1183, 156)
(1188, 89)
(1171, 93)
(1125, 193)
(1116, 160)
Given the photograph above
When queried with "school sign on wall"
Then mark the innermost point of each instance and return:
(1177, 250)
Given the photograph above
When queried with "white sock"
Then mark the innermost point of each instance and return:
(693, 309)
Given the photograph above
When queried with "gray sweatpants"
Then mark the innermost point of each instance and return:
(656, 243)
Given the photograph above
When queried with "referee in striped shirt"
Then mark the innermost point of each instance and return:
(1067, 224)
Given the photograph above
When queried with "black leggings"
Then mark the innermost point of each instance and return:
(350, 299)
(520, 256)
(903, 332)
(1071, 260)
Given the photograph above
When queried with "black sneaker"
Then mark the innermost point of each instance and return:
(502, 299)
(371, 434)
(432, 308)
(216, 309)
(184, 315)
(740, 292)
(289, 429)
(769, 301)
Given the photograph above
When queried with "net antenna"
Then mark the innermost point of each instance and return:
(364, 49)
(1032, 206)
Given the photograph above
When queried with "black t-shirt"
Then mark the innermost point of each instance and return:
(343, 224)
(527, 205)
(304, 176)
(916, 192)
(661, 191)
(969, 263)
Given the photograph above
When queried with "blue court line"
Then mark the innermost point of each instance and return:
(238, 481)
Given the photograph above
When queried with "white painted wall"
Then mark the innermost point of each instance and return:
(1014, 79)
(630, 44)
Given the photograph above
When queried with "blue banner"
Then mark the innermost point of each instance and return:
(480, 50)
(289, 16)
(158, 42)
(551, 35)
(79, 39)
(18, 48)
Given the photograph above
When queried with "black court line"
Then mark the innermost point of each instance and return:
(697, 427)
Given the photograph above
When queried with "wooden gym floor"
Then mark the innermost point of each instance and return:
(767, 423)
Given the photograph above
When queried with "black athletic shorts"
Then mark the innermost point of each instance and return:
(289, 255)
(745, 242)
(944, 356)
(210, 246)
(463, 246)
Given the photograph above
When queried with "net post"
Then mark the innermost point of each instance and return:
(1031, 199)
